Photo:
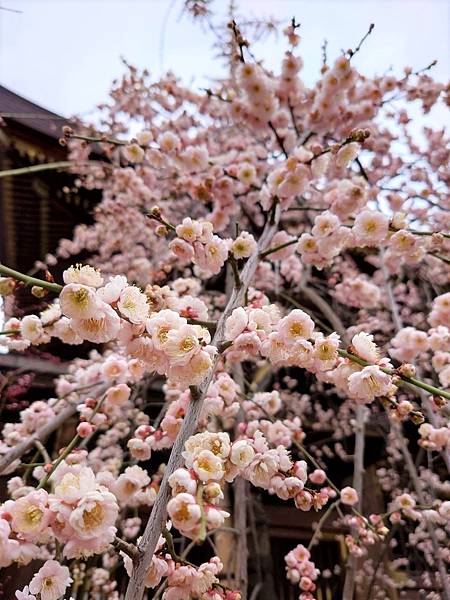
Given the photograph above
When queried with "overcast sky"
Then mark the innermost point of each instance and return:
(63, 54)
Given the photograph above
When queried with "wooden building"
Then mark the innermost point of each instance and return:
(35, 211)
(37, 208)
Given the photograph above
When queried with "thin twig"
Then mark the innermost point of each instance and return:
(363, 39)
(53, 287)
(63, 164)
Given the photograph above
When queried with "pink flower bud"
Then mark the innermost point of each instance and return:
(318, 476)
(84, 429)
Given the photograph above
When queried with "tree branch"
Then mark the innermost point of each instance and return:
(158, 515)
(41, 434)
(414, 476)
(358, 475)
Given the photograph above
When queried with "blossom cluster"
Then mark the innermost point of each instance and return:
(80, 514)
(183, 579)
(196, 242)
(302, 571)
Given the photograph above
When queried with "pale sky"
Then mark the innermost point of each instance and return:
(63, 54)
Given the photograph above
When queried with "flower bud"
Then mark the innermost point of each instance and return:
(404, 408)
(439, 401)
(437, 239)
(67, 131)
(84, 429)
(7, 286)
(161, 231)
(155, 211)
(417, 418)
(406, 370)
(212, 490)
(38, 291)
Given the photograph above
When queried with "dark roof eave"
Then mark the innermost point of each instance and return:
(19, 110)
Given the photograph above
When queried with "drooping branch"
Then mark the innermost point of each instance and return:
(325, 309)
(361, 412)
(418, 487)
(241, 498)
(240, 523)
(358, 474)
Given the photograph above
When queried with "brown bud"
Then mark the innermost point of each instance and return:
(439, 401)
(67, 131)
(316, 148)
(161, 231)
(359, 135)
(49, 277)
(38, 291)
(382, 531)
(62, 142)
(417, 418)
(437, 239)
(7, 286)
(406, 370)
(155, 211)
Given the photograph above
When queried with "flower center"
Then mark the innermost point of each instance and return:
(94, 325)
(371, 227)
(204, 464)
(187, 344)
(129, 304)
(182, 513)
(325, 351)
(81, 297)
(163, 334)
(93, 518)
(296, 329)
(34, 515)
(215, 447)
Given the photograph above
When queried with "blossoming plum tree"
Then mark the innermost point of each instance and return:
(274, 259)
